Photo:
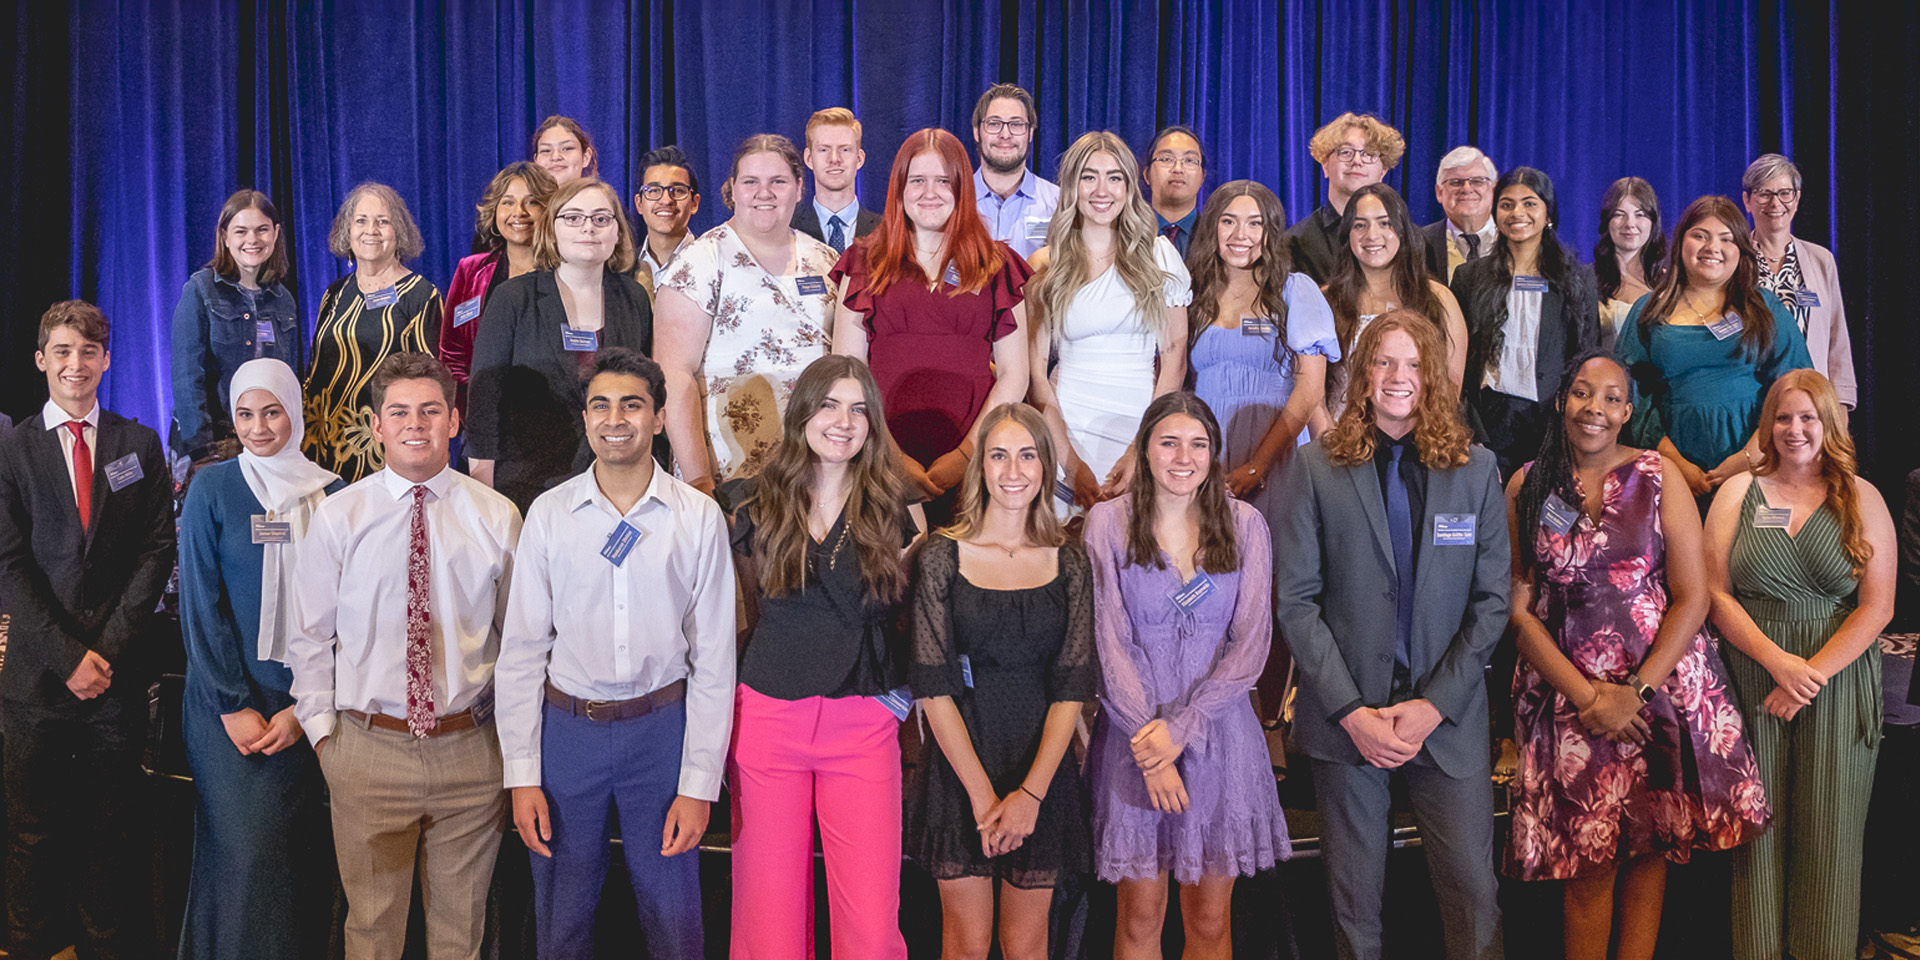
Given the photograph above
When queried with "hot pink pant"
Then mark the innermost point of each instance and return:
(793, 760)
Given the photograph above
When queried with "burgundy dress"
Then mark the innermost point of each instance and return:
(1581, 803)
(932, 350)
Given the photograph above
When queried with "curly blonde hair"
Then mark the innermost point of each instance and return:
(1442, 436)
(1381, 138)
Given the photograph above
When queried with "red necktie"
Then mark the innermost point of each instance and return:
(420, 718)
(82, 472)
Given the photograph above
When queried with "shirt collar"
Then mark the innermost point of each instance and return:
(1329, 217)
(646, 251)
(1028, 188)
(440, 483)
(1382, 442)
(1184, 223)
(584, 490)
(53, 416)
(848, 217)
(1485, 233)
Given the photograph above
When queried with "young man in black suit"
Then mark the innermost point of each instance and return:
(835, 216)
(86, 546)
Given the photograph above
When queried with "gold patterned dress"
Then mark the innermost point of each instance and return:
(350, 338)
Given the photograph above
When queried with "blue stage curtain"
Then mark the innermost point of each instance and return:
(132, 121)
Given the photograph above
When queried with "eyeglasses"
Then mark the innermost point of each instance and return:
(1457, 184)
(576, 219)
(1775, 196)
(1172, 162)
(1349, 154)
(678, 191)
(993, 125)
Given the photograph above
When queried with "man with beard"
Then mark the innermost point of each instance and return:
(1016, 204)
(835, 217)
(1464, 188)
(1175, 168)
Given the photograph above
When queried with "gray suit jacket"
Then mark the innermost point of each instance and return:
(1334, 580)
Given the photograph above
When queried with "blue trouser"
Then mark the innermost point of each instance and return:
(593, 770)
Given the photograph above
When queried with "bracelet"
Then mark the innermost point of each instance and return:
(1036, 797)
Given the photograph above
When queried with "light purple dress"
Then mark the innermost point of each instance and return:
(1192, 668)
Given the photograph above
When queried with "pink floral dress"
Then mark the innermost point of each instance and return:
(1582, 803)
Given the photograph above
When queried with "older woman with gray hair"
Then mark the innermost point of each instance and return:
(378, 309)
(1800, 273)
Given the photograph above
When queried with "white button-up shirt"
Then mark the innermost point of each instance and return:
(348, 643)
(604, 632)
(57, 419)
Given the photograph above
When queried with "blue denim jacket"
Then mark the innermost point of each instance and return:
(215, 330)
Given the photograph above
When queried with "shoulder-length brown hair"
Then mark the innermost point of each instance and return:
(271, 272)
(1838, 462)
(1069, 268)
(546, 249)
(1742, 290)
(540, 186)
(407, 244)
(876, 498)
(1043, 528)
(1411, 281)
(1443, 438)
(1218, 553)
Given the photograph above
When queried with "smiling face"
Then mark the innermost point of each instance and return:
(516, 213)
(261, 423)
(1004, 135)
(1798, 432)
(1519, 214)
(838, 429)
(1709, 253)
(1174, 171)
(73, 365)
(1179, 453)
(1773, 205)
(1012, 466)
(560, 153)
(1373, 241)
(1394, 383)
(1598, 404)
(372, 232)
(1102, 187)
(1629, 227)
(413, 425)
(833, 154)
(584, 230)
(1352, 165)
(765, 192)
(928, 195)
(664, 215)
(1242, 229)
(620, 419)
(250, 238)
(1465, 192)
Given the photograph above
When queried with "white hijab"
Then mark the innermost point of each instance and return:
(287, 484)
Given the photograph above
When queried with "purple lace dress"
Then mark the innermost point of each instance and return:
(1191, 668)
(1583, 803)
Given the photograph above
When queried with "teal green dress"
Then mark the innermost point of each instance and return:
(1703, 394)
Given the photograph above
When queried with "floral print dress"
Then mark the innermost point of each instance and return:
(1581, 803)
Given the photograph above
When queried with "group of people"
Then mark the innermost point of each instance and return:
(1097, 449)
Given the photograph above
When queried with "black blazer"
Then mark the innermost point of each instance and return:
(524, 406)
(1569, 326)
(807, 221)
(1316, 246)
(71, 591)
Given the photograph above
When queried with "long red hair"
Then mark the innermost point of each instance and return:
(971, 250)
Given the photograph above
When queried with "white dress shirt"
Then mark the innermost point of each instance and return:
(347, 645)
(605, 632)
(1486, 233)
(1515, 372)
(56, 420)
(656, 267)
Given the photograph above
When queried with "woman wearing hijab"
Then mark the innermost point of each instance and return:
(259, 816)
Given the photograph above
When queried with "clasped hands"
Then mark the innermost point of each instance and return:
(1796, 681)
(1005, 822)
(1155, 752)
(1614, 713)
(1390, 736)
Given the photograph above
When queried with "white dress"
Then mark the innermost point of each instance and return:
(766, 329)
(1104, 379)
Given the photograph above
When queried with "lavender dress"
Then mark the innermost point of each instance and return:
(1191, 668)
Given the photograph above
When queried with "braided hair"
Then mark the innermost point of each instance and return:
(1552, 471)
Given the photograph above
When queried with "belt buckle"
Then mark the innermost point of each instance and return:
(602, 704)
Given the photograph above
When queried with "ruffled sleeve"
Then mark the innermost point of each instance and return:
(1310, 328)
(1178, 288)
(1005, 291)
(852, 270)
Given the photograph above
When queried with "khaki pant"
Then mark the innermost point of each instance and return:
(401, 803)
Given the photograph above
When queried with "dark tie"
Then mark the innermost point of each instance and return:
(1400, 529)
(837, 233)
(1473, 245)
(1172, 233)
(82, 472)
(420, 718)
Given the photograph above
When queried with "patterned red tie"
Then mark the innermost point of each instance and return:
(82, 472)
(420, 718)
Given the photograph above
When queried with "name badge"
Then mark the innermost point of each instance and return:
(898, 701)
(383, 298)
(271, 531)
(1037, 227)
(1063, 491)
(620, 542)
(1806, 298)
(579, 341)
(966, 671)
(464, 313)
(1556, 516)
(952, 279)
(1454, 529)
(811, 286)
(124, 471)
(1728, 326)
(1190, 594)
(1257, 328)
(1529, 284)
(1772, 518)
(263, 331)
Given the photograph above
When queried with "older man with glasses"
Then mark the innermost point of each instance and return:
(1016, 204)
(1464, 187)
(1800, 273)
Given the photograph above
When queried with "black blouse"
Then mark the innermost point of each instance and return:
(827, 639)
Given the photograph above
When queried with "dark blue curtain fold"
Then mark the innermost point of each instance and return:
(131, 121)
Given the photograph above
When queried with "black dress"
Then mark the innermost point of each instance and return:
(1027, 650)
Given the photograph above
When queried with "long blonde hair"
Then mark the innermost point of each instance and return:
(1069, 268)
(1838, 462)
(1043, 528)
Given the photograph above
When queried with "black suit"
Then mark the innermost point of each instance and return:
(524, 406)
(72, 766)
(1569, 325)
(1316, 246)
(807, 221)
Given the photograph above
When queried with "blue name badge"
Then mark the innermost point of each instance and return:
(124, 471)
(1454, 529)
(1191, 593)
(465, 313)
(620, 543)
(1063, 491)
(966, 671)
(1529, 284)
(267, 531)
(1728, 326)
(1806, 298)
(1257, 328)
(383, 298)
(898, 701)
(579, 341)
(263, 331)
(811, 286)
(1774, 518)
(1556, 516)
(952, 278)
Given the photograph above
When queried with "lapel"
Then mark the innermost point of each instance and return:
(1366, 486)
(866, 222)
(108, 440)
(1442, 489)
(805, 221)
(1552, 342)
(49, 460)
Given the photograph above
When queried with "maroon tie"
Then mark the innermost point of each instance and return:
(82, 472)
(420, 718)
(1172, 232)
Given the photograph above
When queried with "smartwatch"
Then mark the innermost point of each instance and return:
(1641, 688)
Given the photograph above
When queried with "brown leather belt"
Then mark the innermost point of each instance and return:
(607, 711)
(451, 723)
